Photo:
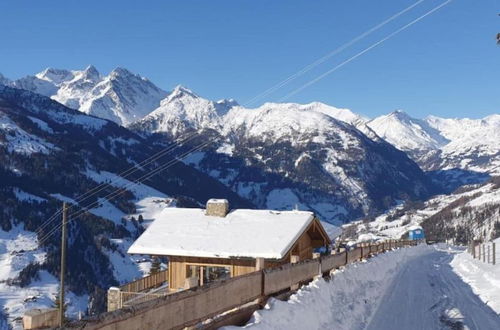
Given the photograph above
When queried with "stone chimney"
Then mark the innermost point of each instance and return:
(217, 207)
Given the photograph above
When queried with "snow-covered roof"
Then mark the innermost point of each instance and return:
(241, 233)
(415, 227)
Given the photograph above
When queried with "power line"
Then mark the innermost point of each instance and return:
(123, 174)
(120, 190)
(311, 82)
(331, 54)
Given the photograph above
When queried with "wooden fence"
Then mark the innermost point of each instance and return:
(146, 283)
(485, 252)
(190, 307)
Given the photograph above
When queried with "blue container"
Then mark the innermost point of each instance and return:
(416, 234)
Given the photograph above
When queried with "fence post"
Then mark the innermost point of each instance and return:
(320, 271)
(293, 260)
(489, 253)
(259, 266)
(484, 253)
(114, 299)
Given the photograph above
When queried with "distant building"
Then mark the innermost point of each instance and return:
(416, 233)
(205, 245)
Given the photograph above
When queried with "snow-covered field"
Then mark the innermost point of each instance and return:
(411, 288)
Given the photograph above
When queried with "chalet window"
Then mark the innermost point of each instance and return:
(207, 274)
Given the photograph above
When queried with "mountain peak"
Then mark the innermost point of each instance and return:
(180, 90)
(121, 72)
(91, 73)
(406, 132)
(55, 76)
(228, 102)
(400, 114)
(90, 69)
(4, 80)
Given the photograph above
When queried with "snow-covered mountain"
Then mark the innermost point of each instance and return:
(474, 144)
(121, 96)
(182, 111)
(439, 144)
(289, 155)
(407, 133)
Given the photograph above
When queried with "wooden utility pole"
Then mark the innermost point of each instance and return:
(494, 253)
(63, 265)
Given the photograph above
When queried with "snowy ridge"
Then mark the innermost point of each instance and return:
(474, 143)
(182, 111)
(407, 133)
(20, 141)
(444, 144)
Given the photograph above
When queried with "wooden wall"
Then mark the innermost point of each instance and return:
(303, 247)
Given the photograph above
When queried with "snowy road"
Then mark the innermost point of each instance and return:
(427, 294)
(412, 288)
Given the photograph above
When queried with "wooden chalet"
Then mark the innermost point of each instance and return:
(203, 245)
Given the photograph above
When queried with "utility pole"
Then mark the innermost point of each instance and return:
(63, 265)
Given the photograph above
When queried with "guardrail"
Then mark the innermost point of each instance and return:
(190, 307)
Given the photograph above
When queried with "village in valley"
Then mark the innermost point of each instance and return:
(130, 201)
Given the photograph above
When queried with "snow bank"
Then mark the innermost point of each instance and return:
(483, 278)
(354, 293)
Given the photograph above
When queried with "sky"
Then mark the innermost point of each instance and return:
(448, 64)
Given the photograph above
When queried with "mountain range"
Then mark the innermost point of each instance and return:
(444, 144)
(121, 96)
(338, 150)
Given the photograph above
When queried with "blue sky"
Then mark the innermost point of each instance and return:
(447, 64)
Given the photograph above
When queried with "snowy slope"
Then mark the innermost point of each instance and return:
(121, 96)
(472, 212)
(182, 111)
(19, 141)
(407, 133)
